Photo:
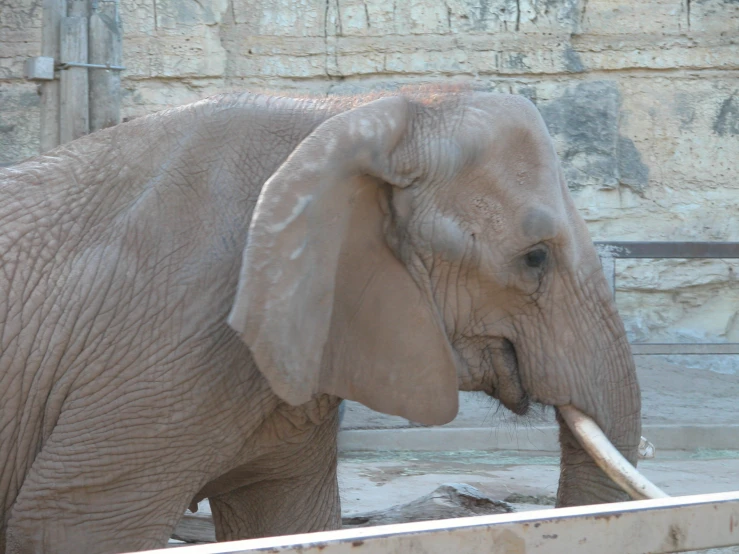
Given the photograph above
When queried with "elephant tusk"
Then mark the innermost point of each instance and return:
(605, 455)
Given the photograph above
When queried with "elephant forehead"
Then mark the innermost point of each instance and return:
(538, 224)
(488, 210)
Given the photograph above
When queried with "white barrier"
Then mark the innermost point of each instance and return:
(649, 526)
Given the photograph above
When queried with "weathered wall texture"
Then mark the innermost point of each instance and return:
(20, 38)
(641, 97)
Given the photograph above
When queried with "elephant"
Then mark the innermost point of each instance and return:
(188, 297)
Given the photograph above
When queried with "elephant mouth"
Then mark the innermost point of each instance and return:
(500, 355)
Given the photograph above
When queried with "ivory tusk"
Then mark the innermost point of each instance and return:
(605, 455)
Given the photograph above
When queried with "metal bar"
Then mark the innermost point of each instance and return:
(715, 349)
(67, 65)
(655, 526)
(639, 249)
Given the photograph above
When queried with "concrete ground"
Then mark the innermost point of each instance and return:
(372, 481)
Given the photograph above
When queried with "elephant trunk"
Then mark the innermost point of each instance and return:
(618, 413)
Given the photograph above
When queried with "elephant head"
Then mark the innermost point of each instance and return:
(412, 246)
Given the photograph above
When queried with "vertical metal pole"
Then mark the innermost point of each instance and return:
(53, 13)
(105, 47)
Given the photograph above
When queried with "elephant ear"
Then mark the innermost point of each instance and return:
(322, 302)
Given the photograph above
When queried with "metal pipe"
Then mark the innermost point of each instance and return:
(67, 65)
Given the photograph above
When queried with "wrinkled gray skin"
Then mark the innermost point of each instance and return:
(155, 326)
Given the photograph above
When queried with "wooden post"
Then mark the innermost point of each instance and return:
(75, 114)
(105, 48)
(53, 12)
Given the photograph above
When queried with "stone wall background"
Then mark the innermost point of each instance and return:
(641, 97)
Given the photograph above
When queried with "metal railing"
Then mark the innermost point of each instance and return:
(610, 251)
(655, 526)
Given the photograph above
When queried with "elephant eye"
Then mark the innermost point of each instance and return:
(535, 258)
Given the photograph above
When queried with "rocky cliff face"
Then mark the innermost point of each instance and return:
(641, 97)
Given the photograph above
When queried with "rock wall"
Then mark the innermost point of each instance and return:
(641, 97)
(20, 38)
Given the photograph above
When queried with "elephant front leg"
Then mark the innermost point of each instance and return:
(111, 495)
(295, 490)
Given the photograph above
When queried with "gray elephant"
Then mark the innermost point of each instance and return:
(187, 297)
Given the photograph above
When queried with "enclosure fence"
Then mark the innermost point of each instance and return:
(676, 524)
(611, 251)
(79, 69)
